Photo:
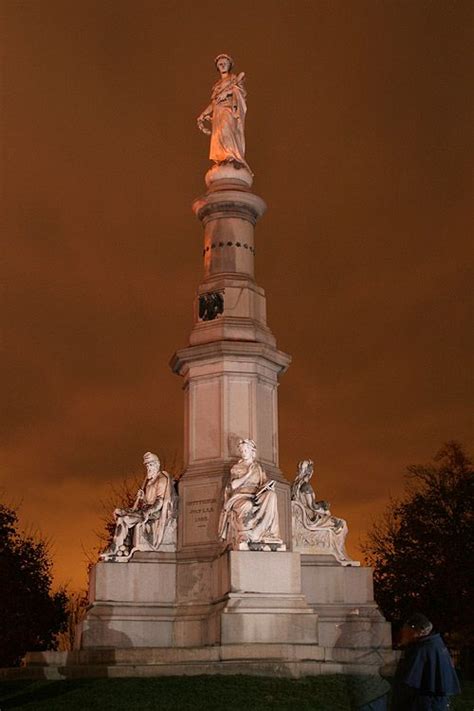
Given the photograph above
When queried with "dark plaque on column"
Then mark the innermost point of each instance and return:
(210, 305)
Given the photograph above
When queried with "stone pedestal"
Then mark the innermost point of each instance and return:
(132, 604)
(352, 630)
(265, 604)
(160, 600)
(239, 613)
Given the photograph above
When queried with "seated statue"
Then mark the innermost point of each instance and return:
(315, 530)
(249, 519)
(151, 522)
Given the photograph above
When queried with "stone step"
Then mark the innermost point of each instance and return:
(256, 660)
(271, 667)
(174, 655)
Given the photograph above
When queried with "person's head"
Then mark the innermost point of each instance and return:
(415, 627)
(248, 449)
(152, 465)
(305, 468)
(224, 63)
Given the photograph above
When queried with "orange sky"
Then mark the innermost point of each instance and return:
(359, 131)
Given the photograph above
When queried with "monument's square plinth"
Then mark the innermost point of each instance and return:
(239, 597)
(271, 613)
(265, 604)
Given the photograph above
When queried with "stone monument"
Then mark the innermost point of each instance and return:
(240, 590)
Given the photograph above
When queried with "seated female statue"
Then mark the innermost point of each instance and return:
(315, 529)
(249, 518)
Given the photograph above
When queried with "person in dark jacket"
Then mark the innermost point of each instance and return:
(425, 676)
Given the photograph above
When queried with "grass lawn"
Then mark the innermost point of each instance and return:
(324, 693)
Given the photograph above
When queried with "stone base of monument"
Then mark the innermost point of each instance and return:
(156, 600)
(159, 600)
(240, 612)
(351, 628)
(285, 660)
(132, 605)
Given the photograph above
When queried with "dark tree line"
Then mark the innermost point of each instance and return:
(422, 550)
(31, 615)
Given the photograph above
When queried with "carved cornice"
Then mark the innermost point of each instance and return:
(229, 203)
(218, 350)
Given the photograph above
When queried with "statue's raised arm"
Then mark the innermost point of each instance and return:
(224, 118)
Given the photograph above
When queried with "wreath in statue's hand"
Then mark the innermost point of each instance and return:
(202, 125)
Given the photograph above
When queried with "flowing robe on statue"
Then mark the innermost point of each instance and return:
(250, 513)
(156, 510)
(311, 515)
(147, 522)
(228, 121)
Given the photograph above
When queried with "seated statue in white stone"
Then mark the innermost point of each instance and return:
(249, 519)
(151, 522)
(315, 529)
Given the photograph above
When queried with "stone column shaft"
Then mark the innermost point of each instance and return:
(230, 368)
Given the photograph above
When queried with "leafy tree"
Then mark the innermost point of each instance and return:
(422, 550)
(30, 614)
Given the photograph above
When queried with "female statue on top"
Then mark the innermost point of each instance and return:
(226, 116)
